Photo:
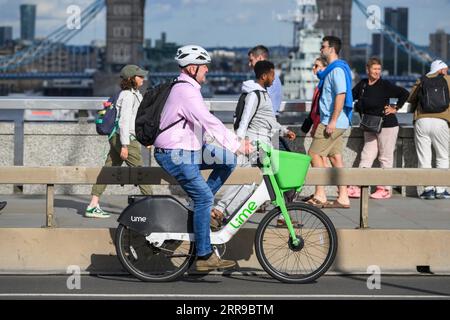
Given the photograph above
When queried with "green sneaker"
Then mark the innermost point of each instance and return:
(96, 212)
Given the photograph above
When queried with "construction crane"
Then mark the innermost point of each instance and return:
(59, 36)
(306, 15)
(421, 55)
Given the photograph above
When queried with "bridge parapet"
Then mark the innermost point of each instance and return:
(363, 177)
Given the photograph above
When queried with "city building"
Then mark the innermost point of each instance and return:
(359, 54)
(217, 53)
(161, 43)
(68, 58)
(160, 57)
(27, 21)
(124, 33)
(395, 61)
(147, 43)
(74, 61)
(5, 35)
(376, 45)
(397, 18)
(440, 44)
(335, 18)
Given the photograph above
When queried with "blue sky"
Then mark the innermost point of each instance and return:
(225, 23)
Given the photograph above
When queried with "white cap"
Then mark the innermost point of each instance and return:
(437, 65)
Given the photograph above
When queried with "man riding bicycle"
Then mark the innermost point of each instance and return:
(182, 151)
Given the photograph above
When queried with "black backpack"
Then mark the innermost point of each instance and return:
(240, 108)
(149, 113)
(433, 94)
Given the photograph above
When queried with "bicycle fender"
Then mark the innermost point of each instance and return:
(157, 214)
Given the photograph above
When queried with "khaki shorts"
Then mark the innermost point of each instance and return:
(326, 145)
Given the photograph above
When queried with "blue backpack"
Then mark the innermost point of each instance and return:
(107, 119)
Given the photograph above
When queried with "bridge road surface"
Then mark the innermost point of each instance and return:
(396, 213)
(231, 286)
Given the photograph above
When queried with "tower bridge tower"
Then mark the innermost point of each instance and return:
(124, 33)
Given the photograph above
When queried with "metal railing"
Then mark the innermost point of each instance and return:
(363, 177)
(13, 109)
(95, 103)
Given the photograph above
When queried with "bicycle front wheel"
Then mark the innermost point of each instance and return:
(149, 263)
(302, 262)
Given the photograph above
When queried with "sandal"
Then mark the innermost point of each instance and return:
(335, 204)
(354, 192)
(316, 203)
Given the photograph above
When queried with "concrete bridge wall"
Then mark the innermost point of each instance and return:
(77, 144)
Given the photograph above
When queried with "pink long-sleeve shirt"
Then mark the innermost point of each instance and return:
(186, 101)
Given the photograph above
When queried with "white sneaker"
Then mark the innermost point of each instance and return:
(96, 212)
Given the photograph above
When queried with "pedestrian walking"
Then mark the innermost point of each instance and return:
(123, 146)
(430, 102)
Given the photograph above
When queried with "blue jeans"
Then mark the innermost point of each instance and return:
(185, 166)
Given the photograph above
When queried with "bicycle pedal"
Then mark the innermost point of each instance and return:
(219, 250)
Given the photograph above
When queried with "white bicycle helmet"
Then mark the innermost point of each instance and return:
(192, 55)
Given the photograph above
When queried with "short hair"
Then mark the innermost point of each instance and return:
(322, 60)
(259, 50)
(263, 67)
(334, 42)
(373, 61)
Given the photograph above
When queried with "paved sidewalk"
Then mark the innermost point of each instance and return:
(28, 211)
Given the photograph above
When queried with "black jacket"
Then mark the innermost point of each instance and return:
(375, 97)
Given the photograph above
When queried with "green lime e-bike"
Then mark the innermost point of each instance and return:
(155, 239)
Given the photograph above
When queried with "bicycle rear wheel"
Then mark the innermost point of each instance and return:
(302, 263)
(149, 263)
